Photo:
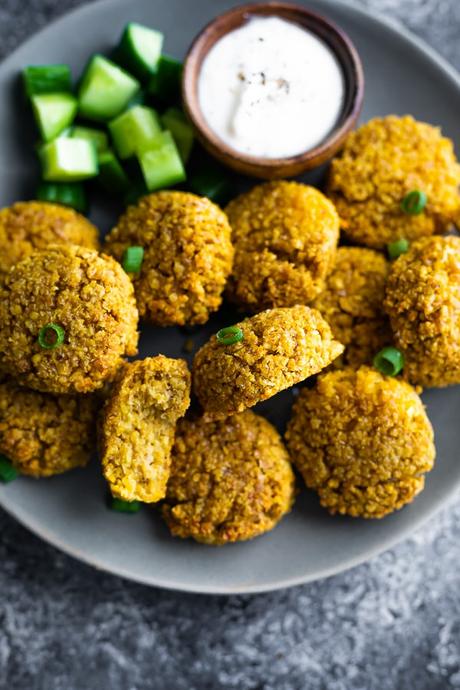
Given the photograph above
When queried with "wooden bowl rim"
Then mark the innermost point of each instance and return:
(223, 24)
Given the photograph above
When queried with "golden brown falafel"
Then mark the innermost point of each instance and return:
(352, 304)
(423, 303)
(381, 163)
(45, 434)
(187, 256)
(87, 295)
(363, 441)
(230, 480)
(280, 348)
(285, 236)
(30, 225)
(138, 425)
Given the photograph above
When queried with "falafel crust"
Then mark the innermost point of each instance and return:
(285, 236)
(231, 480)
(423, 303)
(188, 256)
(89, 296)
(280, 348)
(138, 425)
(352, 304)
(383, 161)
(30, 225)
(363, 441)
(43, 434)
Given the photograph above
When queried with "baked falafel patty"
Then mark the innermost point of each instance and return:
(187, 256)
(231, 480)
(88, 298)
(363, 441)
(352, 304)
(381, 163)
(138, 425)
(280, 348)
(423, 303)
(285, 236)
(45, 434)
(30, 225)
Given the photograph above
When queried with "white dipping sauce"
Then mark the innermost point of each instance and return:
(271, 89)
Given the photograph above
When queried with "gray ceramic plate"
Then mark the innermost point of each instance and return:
(403, 76)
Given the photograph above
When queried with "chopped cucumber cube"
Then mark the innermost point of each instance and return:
(133, 131)
(140, 50)
(46, 79)
(111, 174)
(161, 163)
(166, 83)
(97, 136)
(66, 193)
(68, 160)
(181, 129)
(105, 89)
(54, 112)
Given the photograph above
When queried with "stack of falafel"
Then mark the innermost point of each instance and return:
(311, 310)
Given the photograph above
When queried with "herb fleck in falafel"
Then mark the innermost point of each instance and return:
(382, 162)
(352, 303)
(231, 480)
(361, 440)
(187, 256)
(423, 303)
(285, 236)
(30, 225)
(138, 425)
(67, 320)
(43, 434)
(279, 348)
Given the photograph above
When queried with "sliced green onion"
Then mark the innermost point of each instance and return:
(121, 506)
(51, 336)
(229, 335)
(132, 259)
(414, 202)
(7, 472)
(389, 361)
(397, 248)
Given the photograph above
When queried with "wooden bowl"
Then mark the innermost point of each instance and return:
(270, 168)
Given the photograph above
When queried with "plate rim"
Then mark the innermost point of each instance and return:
(418, 45)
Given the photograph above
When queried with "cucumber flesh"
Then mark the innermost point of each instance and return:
(105, 89)
(166, 84)
(182, 131)
(111, 174)
(161, 163)
(65, 193)
(68, 160)
(133, 131)
(54, 112)
(46, 79)
(97, 136)
(139, 50)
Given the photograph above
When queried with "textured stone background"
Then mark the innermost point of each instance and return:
(392, 624)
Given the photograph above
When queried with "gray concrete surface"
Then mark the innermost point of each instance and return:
(392, 624)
